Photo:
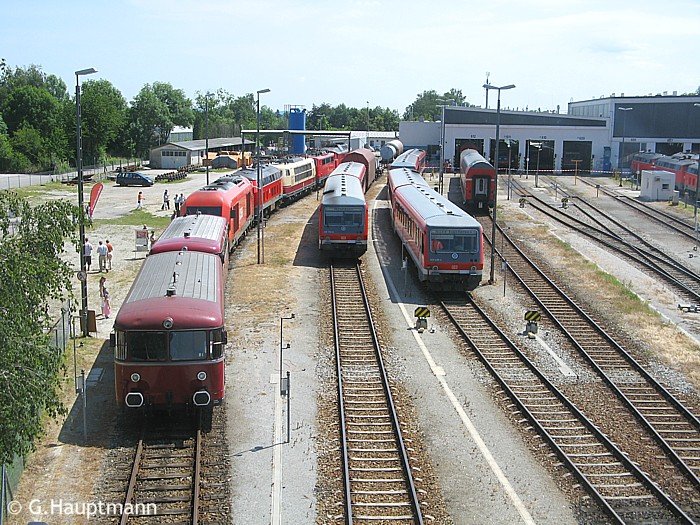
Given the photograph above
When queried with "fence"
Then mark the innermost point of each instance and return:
(59, 335)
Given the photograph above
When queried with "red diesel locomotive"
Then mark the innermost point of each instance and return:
(478, 182)
(229, 197)
(325, 164)
(271, 180)
(170, 334)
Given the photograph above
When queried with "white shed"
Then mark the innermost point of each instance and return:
(657, 185)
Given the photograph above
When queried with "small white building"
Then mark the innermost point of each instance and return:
(657, 185)
(174, 155)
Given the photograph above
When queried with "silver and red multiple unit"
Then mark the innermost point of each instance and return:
(271, 180)
(196, 233)
(444, 242)
(413, 159)
(478, 182)
(170, 334)
(228, 197)
(343, 216)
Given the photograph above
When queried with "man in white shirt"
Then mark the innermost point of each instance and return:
(102, 256)
(87, 248)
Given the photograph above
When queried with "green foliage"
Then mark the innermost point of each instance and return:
(427, 104)
(342, 117)
(104, 116)
(32, 275)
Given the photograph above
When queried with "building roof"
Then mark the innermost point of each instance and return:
(200, 144)
(461, 115)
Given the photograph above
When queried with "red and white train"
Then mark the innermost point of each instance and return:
(229, 197)
(342, 215)
(413, 159)
(443, 241)
(169, 332)
(272, 189)
(477, 181)
(683, 165)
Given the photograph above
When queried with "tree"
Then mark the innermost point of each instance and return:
(179, 106)
(427, 104)
(104, 115)
(150, 121)
(33, 275)
(31, 76)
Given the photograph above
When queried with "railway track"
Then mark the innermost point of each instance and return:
(623, 241)
(669, 220)
(378, 481)
(178, 475)
(623, 491)
(673, 426)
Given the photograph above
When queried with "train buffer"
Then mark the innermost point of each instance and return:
(531, 318)
(421, 314)
(689, 308)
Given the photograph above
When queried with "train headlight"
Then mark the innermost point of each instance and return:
(135, 377)
(202, 375)
(168, 323)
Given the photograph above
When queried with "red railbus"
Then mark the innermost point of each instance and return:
(196, 233)
(170, 334)
(228, 197)
(413, 159)
(477, 181)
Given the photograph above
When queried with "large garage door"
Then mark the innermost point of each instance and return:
(576, 152)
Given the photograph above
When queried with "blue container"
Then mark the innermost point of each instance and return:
(297, 121)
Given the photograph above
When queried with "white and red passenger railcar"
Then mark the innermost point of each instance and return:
(443, 241)
(477, 181)
(229, 197)
(343, 215)
(170, 334)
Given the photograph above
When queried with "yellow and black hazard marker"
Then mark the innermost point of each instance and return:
(531, 316)
(522, 201)
(421, 312)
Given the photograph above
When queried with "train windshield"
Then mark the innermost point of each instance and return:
(192, 345)
(347, 219)
(454, 241)
(204, 210)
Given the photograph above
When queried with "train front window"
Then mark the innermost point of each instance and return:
(454, 241)
(350, 218)
(146, 346)
(188, 346)
(204, 210)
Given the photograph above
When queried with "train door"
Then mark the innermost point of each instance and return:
(235, 219)
(480, 193)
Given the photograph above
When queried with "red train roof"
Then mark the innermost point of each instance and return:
(200, 233)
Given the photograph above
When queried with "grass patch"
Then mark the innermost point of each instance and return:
(136, 218)
(38, 189)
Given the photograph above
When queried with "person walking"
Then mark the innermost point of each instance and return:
(87, 250)
(139, 200)
(176, 201)
(103, 279)
(166, 201)
(110, 249)
(102, 256)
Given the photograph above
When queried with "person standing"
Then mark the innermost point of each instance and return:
(103, 279)
(176, 202)
(182, 199)
(102, 256)
(110, 249)
(139, 201)
(106, 306)
(166, 201)
(87, 250)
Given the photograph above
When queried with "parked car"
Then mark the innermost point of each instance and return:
(131, 178)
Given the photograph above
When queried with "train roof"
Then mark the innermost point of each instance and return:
(434, 209)
(201, 233)
(363, 155)
(343, 189)
(402, 176)
(409, 159)
(670, 162)
(268, 173)
(294, 161)
(185, 286)
(355, 169)
(472, 159)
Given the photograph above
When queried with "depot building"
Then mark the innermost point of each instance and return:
(596, 135)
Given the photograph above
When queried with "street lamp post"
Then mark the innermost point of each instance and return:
(257, 164)
(622, 149)
(697, 185)
(442, 144)
(206, 134)
(492, 278)
(81, 205)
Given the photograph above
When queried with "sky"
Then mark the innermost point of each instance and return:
(360, 52)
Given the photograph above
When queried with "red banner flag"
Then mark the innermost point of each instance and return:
(94, 196)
